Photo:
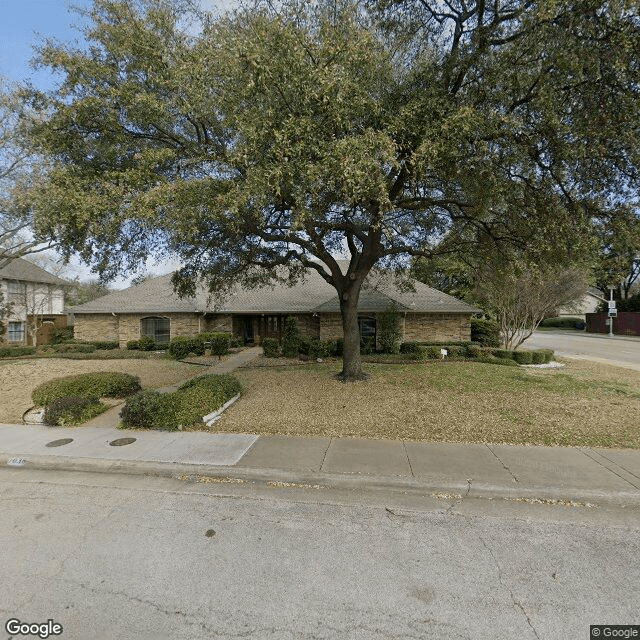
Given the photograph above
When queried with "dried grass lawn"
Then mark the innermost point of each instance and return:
(582, 404)
(18, 378)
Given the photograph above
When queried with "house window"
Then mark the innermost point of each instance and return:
(16, 289)
(367, 328)
(157, 328)
(15, 332)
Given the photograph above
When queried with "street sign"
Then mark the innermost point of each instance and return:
(612, 305)
(613, 313)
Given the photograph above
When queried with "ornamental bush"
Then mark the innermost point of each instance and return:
(270, 347)
(485, 332)
(105, 384)
(182, 408)
(133, 345)
(522, 357)
(106, 345)
(290, 338)
(320, 349)
(219, 342)
(414, 348)
(181, 346)
(13, 352)
(72, 410)
(390, 331)
(147, 343)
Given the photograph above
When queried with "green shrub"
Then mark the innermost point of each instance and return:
(290, 338)
(14, 352)
(89, 385)
(489, 359)
(474, 351)
(564, 323)
(219, 342)
(320, 349)
(181, 346)
(183, 408)
(150, 410)
(62, 335)
(367, 345)
(414, 348)
(485, 332)
(147, 343)
(503, 353)
(548, 355)
(270, 347)
(432, 353)
(236, 341)
(133, 345)
(339, 347)
(522, 357)
(72, 410)
(390, 333)
(106, 345)
(73, 347)
(304, 345)
(456, 351)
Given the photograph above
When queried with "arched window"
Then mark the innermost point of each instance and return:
(157, 328)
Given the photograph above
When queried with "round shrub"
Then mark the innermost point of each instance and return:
(72, 410)
(474, 351)
(433, 353)
(304, 344)
(455, 351)
(522, 357)
(150, 410)
(411, 347)
(270, 347)
(88, 385)
(485, 332)
(147, 343)
(181, 346)
(133, 345)
(219, 342)
(320, 349)
(503, 353)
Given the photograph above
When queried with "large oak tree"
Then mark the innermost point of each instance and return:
(277, 137)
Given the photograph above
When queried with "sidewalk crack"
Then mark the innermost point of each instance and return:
(504, 466)
(584, 451)
(324, 457)
(404, 444)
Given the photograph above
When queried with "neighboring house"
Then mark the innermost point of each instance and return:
(587, 304)
(36, 302)
(153, 309)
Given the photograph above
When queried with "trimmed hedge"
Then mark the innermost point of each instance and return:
(147, 343)
(106, 345)
(565, 323)
(413, 348)
(522, 357)
(219, 342)
(270, 348)
(181, 346)
(72, 410)
(71, 347)
(321, 349)
(14, 352)
(87, 385)
(182, 408)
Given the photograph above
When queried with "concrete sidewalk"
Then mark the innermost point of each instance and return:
(512, 472)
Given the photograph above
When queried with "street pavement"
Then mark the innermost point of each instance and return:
(491, 470)
(620, 351)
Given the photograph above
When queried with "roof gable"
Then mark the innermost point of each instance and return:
(25, 271)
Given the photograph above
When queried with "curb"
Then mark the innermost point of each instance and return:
(310, 480)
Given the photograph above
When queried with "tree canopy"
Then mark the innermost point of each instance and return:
(275, 137)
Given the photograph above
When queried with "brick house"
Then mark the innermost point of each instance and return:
(153, 309)
(35, 299)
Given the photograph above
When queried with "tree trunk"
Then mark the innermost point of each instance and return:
(351, 362)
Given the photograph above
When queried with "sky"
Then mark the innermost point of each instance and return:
(23, 22)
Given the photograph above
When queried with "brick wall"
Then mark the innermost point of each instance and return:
(219, 322)
(416, 327)
(124, 327)
(437, 327)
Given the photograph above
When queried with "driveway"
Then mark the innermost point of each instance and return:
(621, 351)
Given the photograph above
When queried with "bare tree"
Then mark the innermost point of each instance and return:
(522, 295)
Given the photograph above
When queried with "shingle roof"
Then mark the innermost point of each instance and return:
(23, 270)
(313, 294)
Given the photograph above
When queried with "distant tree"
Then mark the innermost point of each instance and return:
(520, 295)
(80, 292)
(284, 133)
(20, 170)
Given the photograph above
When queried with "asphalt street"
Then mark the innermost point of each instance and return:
(110, 556)
(622, 351)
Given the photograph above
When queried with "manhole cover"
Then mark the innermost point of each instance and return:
(120, 442)
(59, 443)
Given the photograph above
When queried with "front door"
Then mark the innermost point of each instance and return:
(248, 330)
